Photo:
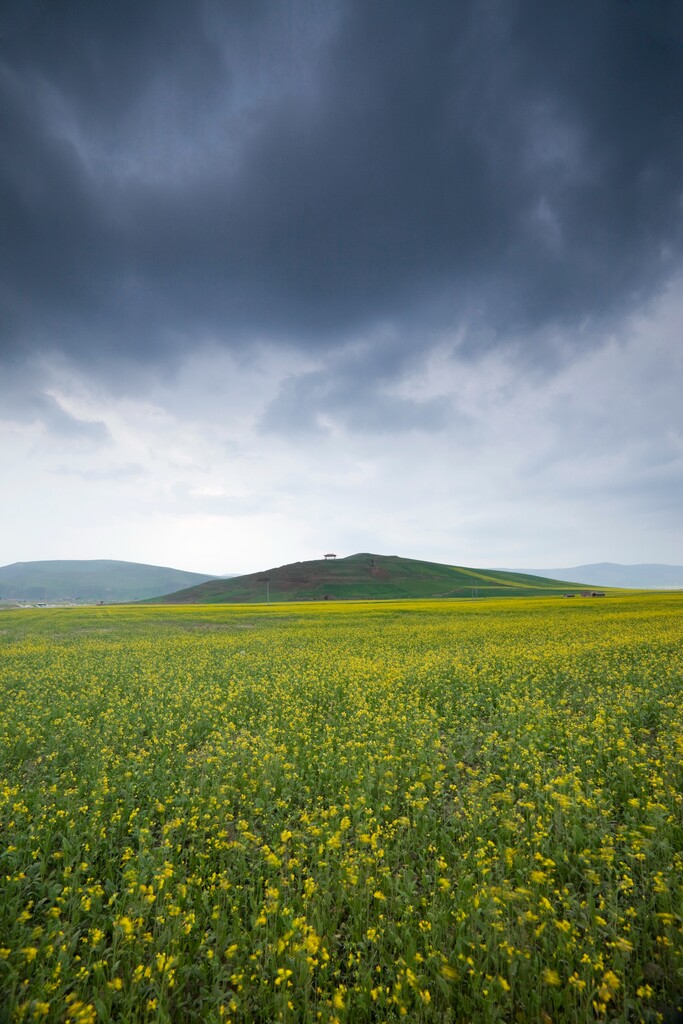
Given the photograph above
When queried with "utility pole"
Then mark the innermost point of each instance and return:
(266, 580)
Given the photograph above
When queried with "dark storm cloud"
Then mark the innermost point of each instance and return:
(177, 172)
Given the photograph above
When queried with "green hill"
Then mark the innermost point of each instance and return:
(88, 581)
(366, 577)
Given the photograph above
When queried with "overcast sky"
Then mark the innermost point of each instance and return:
(282, 278)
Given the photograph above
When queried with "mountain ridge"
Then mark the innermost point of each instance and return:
(90, 580)
(649, 575)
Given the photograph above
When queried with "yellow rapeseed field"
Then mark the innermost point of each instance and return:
(428, 811)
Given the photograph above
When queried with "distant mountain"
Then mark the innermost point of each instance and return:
(364, 577)
(88, 581)
(612, 574)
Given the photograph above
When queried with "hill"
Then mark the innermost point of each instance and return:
(90, 580)
(363, 577)
(612, 574)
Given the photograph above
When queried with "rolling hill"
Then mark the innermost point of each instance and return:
(87, 581)
(365, 577)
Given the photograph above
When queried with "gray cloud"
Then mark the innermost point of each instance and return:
(62, 424)
(24, 402)
(176, 173)
(317, 401)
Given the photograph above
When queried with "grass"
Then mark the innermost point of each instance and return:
(430, 811)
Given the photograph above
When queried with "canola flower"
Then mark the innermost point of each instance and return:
(422, 811)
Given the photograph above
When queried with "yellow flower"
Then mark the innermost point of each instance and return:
(309, 887)
(576, 982)
(80, 1013)
(551, 977)
(338, 999)
(609, 986)
(164, 962)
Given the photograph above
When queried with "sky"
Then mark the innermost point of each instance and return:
(281, 279)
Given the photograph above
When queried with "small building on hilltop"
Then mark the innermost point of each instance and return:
(329, 556)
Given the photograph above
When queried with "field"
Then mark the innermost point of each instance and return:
(428, 811)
